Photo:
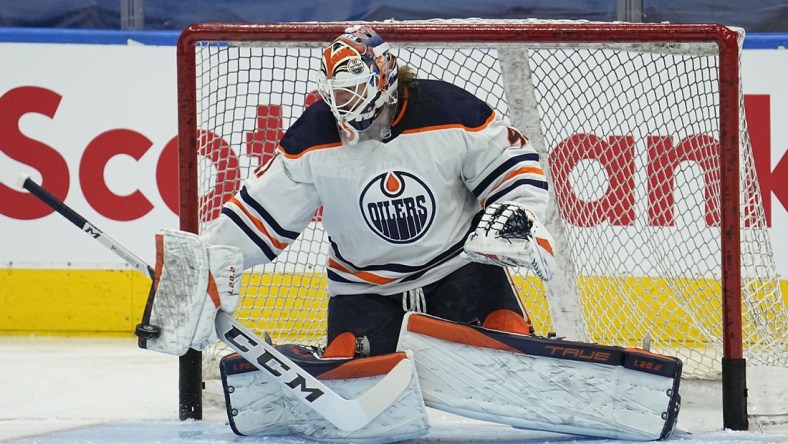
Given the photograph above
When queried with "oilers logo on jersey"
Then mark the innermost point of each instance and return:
(397, 206)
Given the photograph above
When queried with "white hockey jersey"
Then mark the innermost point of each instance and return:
(396, 212)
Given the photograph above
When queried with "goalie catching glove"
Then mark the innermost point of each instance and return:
(509, 234)
(192, 282)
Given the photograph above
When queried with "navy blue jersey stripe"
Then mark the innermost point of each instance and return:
(405, 269)
(250, 233)
(533, 182)
(281, 232)
(503, 168)
(333, 276)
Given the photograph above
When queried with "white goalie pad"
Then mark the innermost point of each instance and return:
(543, 384)
(258, 405)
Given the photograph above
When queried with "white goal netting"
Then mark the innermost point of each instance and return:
(635, 138)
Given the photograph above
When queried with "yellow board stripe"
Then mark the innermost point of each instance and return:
(71, 302)
(111, 302)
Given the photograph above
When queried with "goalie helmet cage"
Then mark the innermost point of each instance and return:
(655, 205)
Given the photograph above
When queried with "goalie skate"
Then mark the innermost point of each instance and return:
(543, 384)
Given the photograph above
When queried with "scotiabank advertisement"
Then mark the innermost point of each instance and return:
(89, 123)
(97, 125)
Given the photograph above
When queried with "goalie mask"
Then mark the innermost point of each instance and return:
(358, 81)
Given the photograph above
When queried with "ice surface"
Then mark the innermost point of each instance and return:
(87, 390)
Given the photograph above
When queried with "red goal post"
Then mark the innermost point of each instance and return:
(627, 117)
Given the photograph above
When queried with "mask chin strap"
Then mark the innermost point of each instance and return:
(349, 135)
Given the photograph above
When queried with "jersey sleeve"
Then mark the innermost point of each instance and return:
(502, 165)
(266, 215)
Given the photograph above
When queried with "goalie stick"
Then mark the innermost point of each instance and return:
(346, 414)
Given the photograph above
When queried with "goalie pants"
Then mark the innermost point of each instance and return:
(467, 295)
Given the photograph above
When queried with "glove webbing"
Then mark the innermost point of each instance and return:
(518, 225)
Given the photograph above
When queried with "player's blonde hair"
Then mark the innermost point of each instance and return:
(407, 78)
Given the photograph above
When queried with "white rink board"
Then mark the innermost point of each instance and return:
(122, 99)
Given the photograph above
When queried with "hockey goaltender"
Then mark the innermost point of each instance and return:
(427, 196)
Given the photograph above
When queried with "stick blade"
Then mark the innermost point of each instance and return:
(346, 414)
(380, 397)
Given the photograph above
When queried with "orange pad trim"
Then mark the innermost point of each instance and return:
(365, 367)
(452, 332)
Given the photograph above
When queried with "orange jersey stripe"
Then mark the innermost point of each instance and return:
(259, 225)
(517, 172)
(309, 150)
(402, 107)
(450, 126)
(362, 275)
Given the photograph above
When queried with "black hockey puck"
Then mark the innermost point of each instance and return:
(147, 331)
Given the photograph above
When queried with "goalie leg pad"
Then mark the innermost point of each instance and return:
(257, 405)
(543, 384)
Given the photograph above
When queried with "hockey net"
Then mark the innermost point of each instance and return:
(655, 207)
